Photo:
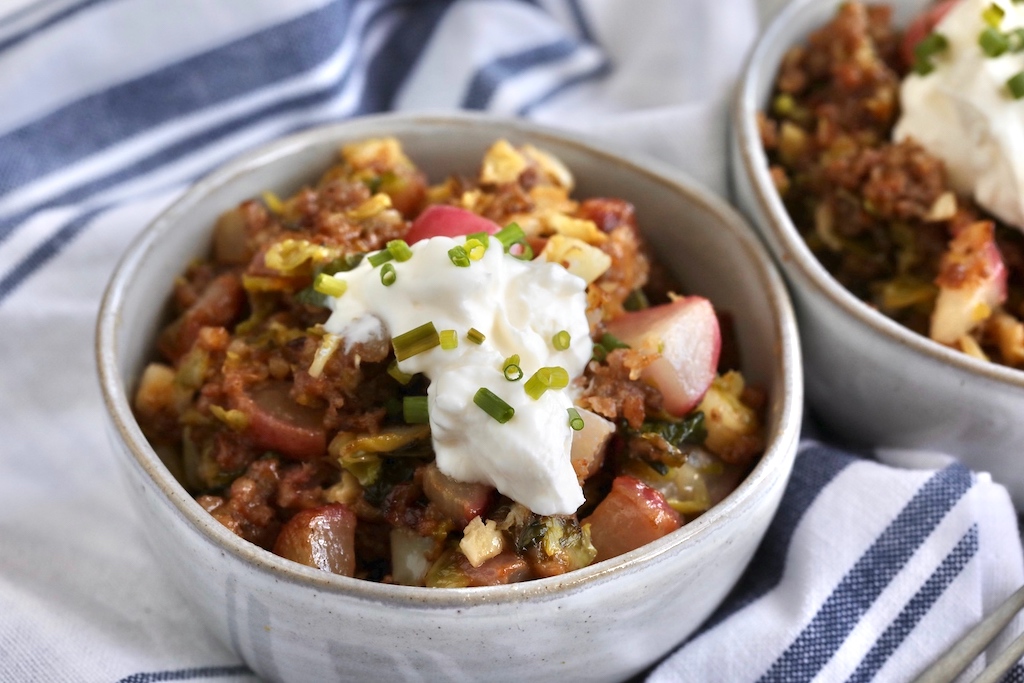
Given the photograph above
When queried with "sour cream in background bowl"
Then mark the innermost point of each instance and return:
(870, 380)
(607, 621)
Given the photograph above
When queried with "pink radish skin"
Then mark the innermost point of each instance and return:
(448, 221)
(687, 334)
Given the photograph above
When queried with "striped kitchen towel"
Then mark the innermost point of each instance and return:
(111, 107)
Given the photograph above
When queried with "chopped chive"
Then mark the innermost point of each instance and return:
(610, 342)
(399, 250)
(599, 353)
(416, 340)
(511, 369)
(493, 405)
(930, 45)
(509, 235)
(481, 237)
(523, 253)
(388, 274)
(561, 340)
(400, 377)
(414, 410)
(449, 339)
(993, 15)
(329, 285)
(380, 258)
(993, 43)
(923, 67)
(476, 336)
(459, 256)
(1016, 85)
(475, 248)
(342, 264)
(575, 421)
(546, 378)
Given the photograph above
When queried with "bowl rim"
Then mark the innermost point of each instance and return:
(794, 254)
(786, 364)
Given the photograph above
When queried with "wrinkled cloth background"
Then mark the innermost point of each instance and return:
(111, 107)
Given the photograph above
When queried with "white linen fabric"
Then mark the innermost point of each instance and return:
(111, 107)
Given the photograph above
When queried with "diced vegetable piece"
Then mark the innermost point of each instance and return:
(733, 429)
(278, 423)
(459, 501)
(322, 537)
(156, 393)
(588, 444)
(448, 221)
(576, 256)
(230, 239)
(411, 556)
(481, 541)
(972, 283)
(686, 335)
(633, 514)
(219, 304)
(563, 546)
(453, 570)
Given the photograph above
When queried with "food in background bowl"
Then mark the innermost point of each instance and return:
(897, 157)
(473, 383)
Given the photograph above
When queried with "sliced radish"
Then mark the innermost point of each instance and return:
(278, 423)
(588, 444)
(972, 283)
(323, 537)
(631, 515)
(686, 334)
(459, 501)
(448, 221)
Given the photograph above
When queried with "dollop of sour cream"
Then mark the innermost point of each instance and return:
(963, 113)
(519, 306)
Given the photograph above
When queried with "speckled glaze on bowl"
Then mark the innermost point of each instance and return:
(602, 623)
(869, 379)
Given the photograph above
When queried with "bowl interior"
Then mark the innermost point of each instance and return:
(704, 242)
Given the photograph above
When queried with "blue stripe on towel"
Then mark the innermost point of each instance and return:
(815, 467)
(489, 77)
(93, 123)
(917, 607)
(42, 254)
(189, 674)
(48, 22)
(419, 24)
(825, 633)
(393, 63)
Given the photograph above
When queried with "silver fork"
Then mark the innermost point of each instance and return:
(949, 666)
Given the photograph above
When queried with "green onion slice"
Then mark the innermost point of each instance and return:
(993, 42)
(476, 336)
(449, 339)
(561, 340)
(459, 256)
(416, 340)
(993, 15)
(400, 377)
(481, 237)
(575, 421)
(931, 45)
(511, 369)
(380, 258)
(388, 274)
(414, 410)
(509, 235)
(554, 377)
(524, 253)
(493, 405)
(475, 248)
(399, 250)
(329, 285)
(1016, 85)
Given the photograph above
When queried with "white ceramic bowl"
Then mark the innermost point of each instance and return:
(605, 622)
(869, 379)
